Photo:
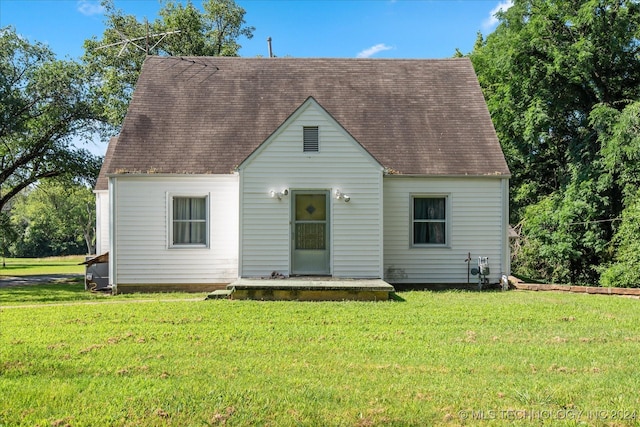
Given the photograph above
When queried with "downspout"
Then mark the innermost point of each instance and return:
(240, 173)
(113, 256)
(506, 255)
(99, 202)
(382, 228)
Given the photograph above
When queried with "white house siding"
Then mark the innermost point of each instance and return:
(340, 163)
(102, 221)
(477, 209)
(141, 249)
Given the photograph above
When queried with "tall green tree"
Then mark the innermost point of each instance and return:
(8, 235)
(619, 132)
(54, 218)
(116, 59)
(543, 70)
(548, 66)
(44, 104)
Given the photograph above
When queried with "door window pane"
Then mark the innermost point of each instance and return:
(310, 235)
(311, 207)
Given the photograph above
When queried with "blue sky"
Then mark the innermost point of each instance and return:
(299, 28)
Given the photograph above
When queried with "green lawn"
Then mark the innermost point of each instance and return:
(436, 358)
(36, 266)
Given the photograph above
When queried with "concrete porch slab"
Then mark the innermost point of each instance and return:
(311, 289)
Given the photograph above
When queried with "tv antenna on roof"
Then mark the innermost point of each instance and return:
(135, 41)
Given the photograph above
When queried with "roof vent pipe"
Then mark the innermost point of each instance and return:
(270, 49)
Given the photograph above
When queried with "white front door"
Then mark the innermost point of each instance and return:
(310, 233)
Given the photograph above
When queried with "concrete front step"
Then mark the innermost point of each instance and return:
(220, 294)
(311, 289)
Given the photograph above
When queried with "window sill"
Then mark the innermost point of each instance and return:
(430, 246)
(188, 246)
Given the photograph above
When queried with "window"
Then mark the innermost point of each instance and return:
(189, 221)
(310, 139)
(429, 220)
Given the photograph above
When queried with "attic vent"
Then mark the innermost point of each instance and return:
(310, 138)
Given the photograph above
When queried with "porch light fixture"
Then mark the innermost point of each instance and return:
(341, 196)
(278, 195)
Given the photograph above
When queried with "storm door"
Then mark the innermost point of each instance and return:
(310, 233)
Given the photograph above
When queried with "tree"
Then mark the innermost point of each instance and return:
(623, 270)
(8, 235)
(543, 70)
(44, 103)
(619, 135)
(563, 238)
(619, 132)
(546, 69)
(215, 32)
(54, 218)
(182, 31)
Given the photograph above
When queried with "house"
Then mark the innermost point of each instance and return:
(230, 168)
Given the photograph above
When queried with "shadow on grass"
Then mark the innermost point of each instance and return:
(447, 287)
(405, 287)
(42, 266)
(9, 267)
(395, 297)
(58, 291)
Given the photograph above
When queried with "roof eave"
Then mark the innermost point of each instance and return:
(496, 175)
(166, 175)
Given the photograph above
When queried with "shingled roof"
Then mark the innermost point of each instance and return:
(205, 115)
(102, 181)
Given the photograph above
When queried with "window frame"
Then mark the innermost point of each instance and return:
(171, 221)
(446, 221)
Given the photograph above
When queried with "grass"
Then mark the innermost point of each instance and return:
(36, 266)
(64, 289)
(72, 290)
(60, 291)
(438, 358)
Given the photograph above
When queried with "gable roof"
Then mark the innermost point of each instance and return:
(309, 103)
(200, 115)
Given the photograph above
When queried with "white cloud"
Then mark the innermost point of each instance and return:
(90, 7)
(369, 52)
(492, 21)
